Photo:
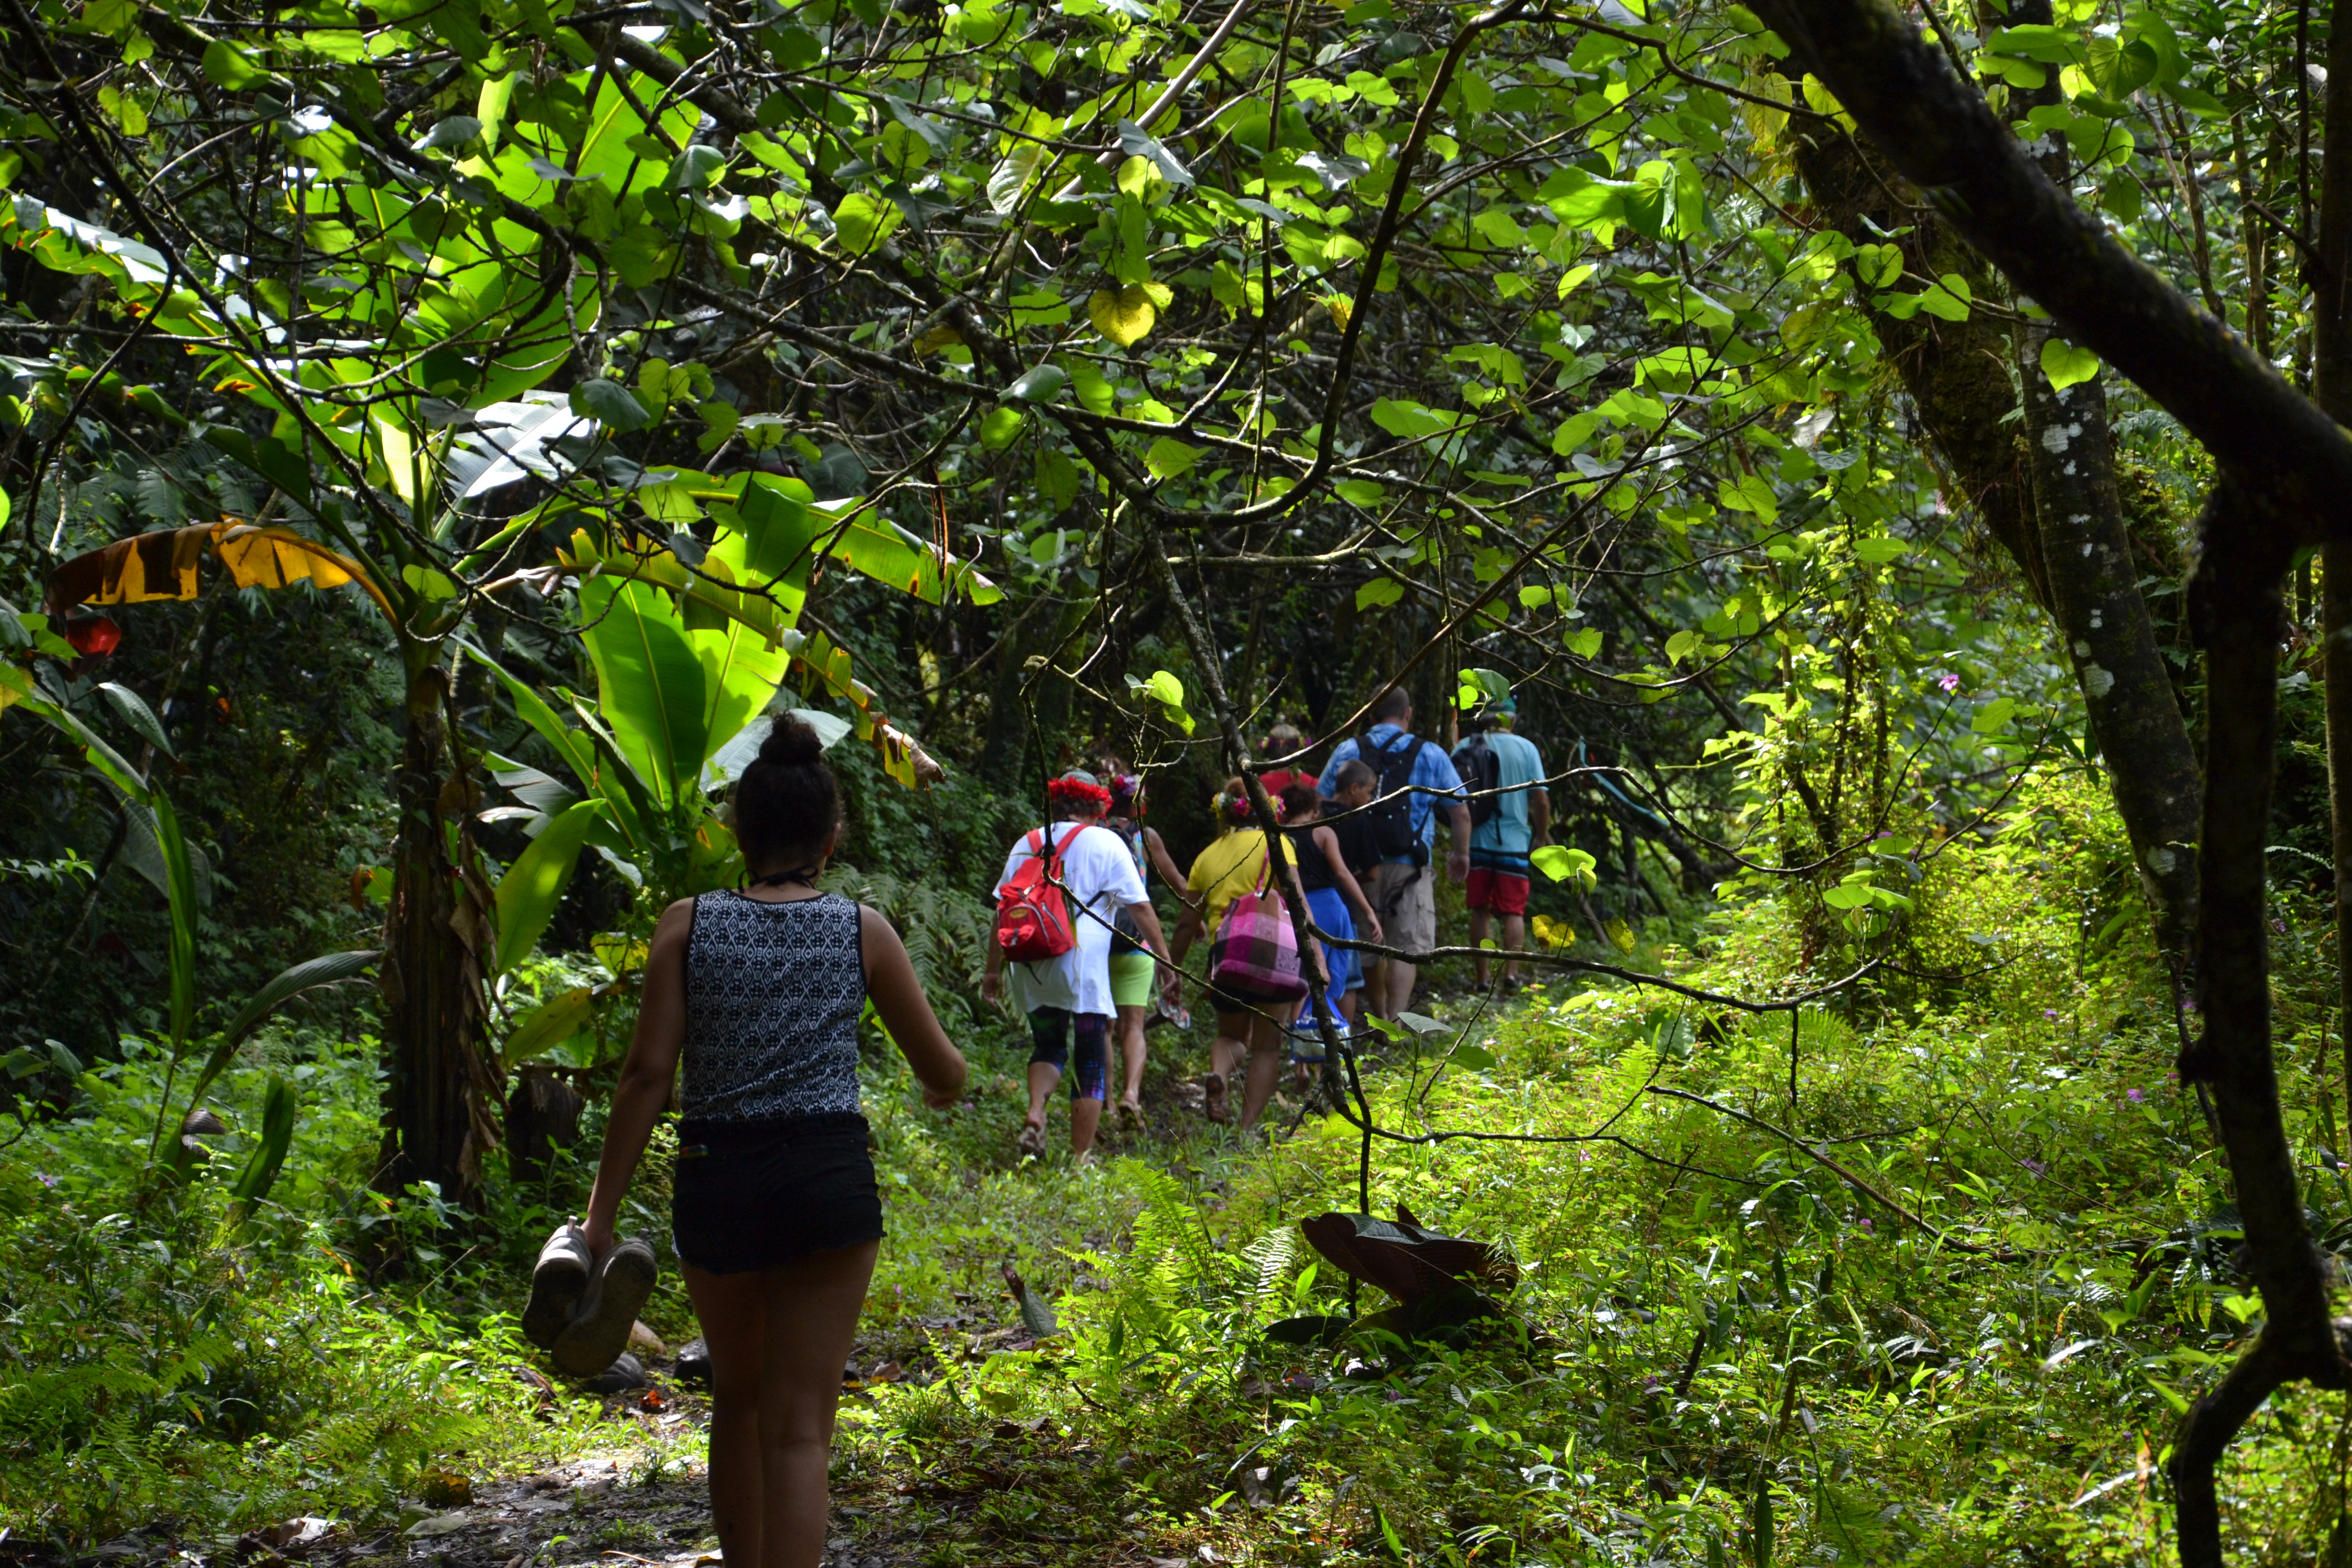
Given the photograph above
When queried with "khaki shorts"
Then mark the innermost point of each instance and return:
(1406, 898)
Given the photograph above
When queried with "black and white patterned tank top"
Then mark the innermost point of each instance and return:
(772, 995)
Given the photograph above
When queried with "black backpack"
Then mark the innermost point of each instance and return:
(1482, 774)
(1390, 813)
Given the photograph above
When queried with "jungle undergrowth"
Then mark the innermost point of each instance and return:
(1714, 1331)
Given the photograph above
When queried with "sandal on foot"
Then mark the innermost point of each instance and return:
(1212, 1088)
(557, 1282)
(599, 1332)
(1031, 1140)
(1130, 1116)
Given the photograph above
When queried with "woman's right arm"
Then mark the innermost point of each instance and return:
(646, 1074)
(907, 1013)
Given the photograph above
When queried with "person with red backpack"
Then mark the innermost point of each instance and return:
(1064, 888)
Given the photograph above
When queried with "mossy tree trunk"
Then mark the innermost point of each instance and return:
(2050, 501)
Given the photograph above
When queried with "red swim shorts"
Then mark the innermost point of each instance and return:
(1497, 890)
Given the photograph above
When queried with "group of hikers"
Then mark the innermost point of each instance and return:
(751, 1003)
(1089, 963)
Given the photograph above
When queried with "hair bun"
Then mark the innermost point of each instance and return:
(791, 743)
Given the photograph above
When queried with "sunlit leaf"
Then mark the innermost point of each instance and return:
(1126, 314)
(2065, 364)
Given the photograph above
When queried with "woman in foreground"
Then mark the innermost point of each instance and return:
(774, 1210)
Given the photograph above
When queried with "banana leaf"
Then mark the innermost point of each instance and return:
(532, 887)
(650, 686)
(164, 565)
(866, 541)
(549, 1025)
(578, 754)
(180, 882)
(741, 673)
(183, 901)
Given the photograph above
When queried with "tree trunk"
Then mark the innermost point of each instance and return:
(2052, 504)
(440, 1091)
(2330, 278)
(2240, 613)
(542, 1116)
(2093, 596)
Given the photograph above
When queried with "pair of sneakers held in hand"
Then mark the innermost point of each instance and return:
(581, 1310)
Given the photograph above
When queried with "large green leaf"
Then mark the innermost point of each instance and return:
(534, 884)
(742, 668)
(183, 900)
(740, 674)
(650, 684)
(549, 1025)
(268, 1157)
(308, 975)
(873, 544)
(180, 880)
(101, 756)
(778, 531)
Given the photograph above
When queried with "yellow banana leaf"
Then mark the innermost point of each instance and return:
(148, 567)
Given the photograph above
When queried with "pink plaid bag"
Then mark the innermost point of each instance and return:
(1256, 955)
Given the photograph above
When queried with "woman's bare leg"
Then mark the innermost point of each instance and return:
(1224, 1051)
(1265, 1068)
(732, 1310)
(1130, 1045)
(1043, 1077)
(812, 1320)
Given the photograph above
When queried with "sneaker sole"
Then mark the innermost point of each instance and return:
(596, 1338)
(557, 1284)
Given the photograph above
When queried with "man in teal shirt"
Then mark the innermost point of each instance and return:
(1499, 845)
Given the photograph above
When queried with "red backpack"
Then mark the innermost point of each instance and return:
(1033, 914)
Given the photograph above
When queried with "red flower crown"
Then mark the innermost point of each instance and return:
(1079, 792)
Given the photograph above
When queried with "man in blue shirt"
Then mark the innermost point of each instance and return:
(1499, 845)
(1403, 889)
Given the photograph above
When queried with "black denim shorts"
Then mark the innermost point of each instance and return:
(752, 1194)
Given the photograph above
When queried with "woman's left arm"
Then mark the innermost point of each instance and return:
(646, 1074)
(1155, 846)
(897, 996)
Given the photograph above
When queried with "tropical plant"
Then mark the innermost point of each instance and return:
(676, 695)
(687, 660)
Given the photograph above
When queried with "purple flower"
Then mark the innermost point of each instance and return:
(2133, 1095)
(45, 1178)
(1866, 1225)
(2050, 1012)
(2036, 1166)
(1948, 681)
